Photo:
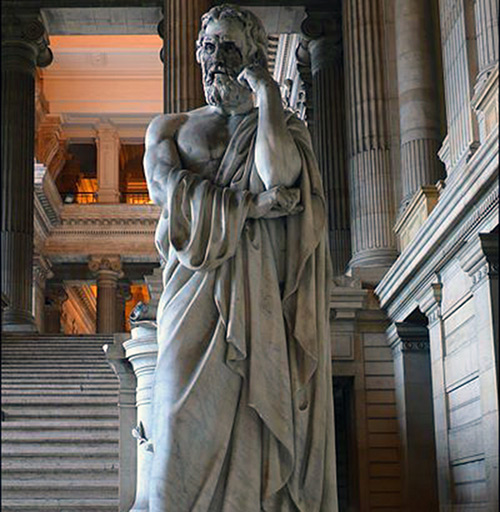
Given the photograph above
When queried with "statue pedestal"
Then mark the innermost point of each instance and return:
(141, 351)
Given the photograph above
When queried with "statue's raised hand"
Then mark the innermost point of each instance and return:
(256, 78)
(277, 202)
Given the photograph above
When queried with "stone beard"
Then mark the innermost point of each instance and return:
(223, 91)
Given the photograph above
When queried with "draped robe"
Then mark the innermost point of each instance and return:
(243, 406)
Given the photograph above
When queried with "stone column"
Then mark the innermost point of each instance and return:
(123, 295)
(480, 260)
(370, 184)
(183, 89)
(412, 372)
(141, 352)
(486, 18)
(324, 29)
(418, 97)
(55, 297)
(108, 270)
(108, 164)
(24, 46)
(41, 272)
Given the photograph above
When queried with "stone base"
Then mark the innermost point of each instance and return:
(18, 321)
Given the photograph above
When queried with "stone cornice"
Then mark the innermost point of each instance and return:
(470, 201)
(95, 229)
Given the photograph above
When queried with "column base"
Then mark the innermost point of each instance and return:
(16, 320)
(371, 265)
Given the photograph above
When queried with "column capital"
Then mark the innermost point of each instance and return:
(41, 269)
(103, 265)
(479, 258)
(408, 337)
(25, 28)
(323, 30)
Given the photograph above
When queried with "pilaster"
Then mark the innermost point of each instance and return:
(123, 295)
(108, 270)
(412, 374)
(41, 272)
(431, 307)
(56, 296)
(371, 193)
(108, 164)
(324, 30)
(480, 260)
(24, 46)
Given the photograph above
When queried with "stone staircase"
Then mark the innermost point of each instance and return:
(59, 425)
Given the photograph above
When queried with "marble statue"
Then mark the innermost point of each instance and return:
(243, 407)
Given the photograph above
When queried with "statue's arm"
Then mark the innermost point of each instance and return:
(276, 155)
(161, 156)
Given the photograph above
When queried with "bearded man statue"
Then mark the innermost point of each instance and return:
(243, 406)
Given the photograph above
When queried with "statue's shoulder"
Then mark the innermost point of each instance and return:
(166, 126)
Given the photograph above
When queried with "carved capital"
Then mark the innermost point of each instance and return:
(479, 258)
(49, 141)
(408, 337)
(24, 30)
(324, 32)
(109, 263)
(41, 270)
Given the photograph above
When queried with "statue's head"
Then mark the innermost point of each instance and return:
(230, 39)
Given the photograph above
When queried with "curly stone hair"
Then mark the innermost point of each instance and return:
(254, 31)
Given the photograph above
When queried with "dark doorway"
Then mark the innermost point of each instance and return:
(345, 443)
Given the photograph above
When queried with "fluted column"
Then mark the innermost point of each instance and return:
(182, 76)
(56, 296)
(418, 97)
(325, 47)
(41, 272)
(486, 18)
(108, 271)
(24, 46)
(370, 181)
(108, 164)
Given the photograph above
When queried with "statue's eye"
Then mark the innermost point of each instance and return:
(209, 47)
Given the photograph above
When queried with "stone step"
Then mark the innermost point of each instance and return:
(50, 363)
(67, 411)
(56, 465)
(75, 391)
(61, 386)
(74, 453)
(59, 505)
(64, 436)
(44, 401)
(61, 488)
(51, 368)
(74, 448)
(60, 424)
(65, 381)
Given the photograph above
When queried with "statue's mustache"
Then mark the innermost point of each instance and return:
(219, 69)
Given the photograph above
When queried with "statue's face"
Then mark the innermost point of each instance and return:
(223, 55)
(223, 49)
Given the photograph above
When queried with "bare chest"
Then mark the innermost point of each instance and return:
(202, 142)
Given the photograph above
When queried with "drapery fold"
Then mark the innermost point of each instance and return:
(262, 287)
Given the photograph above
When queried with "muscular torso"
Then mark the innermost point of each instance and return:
(202, 139)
